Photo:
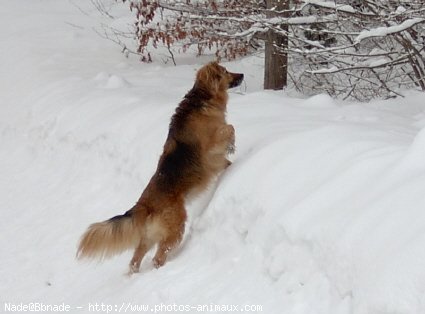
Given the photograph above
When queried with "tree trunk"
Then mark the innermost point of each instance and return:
(276, 62)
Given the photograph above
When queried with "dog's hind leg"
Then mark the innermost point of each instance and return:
(143, 247)
(164, 247)
(172, 239)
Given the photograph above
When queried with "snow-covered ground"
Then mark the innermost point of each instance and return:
(322, 210)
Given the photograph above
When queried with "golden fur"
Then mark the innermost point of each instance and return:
(195, 151)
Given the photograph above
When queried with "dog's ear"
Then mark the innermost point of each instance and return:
(214, 64)
(209, 76)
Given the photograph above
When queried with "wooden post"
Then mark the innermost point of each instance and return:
(276, 62)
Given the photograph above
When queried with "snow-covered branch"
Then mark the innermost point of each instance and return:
(390, 30)
(356, 49)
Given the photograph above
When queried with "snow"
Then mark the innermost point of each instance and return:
(330, 5)
(294, 20)
(321, 211)
(384, 31)
(325, 70)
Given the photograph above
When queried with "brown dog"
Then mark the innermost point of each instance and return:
(195, 151)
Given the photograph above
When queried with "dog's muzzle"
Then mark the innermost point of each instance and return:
(237, 80)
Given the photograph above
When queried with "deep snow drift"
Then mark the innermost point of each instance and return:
(322, 210)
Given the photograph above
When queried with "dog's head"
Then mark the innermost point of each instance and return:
(215, 77)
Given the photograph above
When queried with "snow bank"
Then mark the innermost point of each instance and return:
(321, 211)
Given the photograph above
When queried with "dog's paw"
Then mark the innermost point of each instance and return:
(231, 130)
(133, 268)
(158, 262)
(231, 148)
(226, 131)
(228, 164)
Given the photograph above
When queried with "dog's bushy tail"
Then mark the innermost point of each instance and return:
(113, 236)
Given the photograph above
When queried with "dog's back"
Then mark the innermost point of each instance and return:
(186, 164)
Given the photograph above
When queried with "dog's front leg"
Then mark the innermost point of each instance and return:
(231, 140)
(225, 141)
(225, 137)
